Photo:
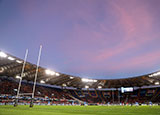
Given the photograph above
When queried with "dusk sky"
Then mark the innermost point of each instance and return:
(102, 39)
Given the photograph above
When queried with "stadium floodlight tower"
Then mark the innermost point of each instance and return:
(20, 79)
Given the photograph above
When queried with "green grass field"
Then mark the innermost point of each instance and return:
(79, 110)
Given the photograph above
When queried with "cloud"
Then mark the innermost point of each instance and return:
(143, 61)
(92, 36)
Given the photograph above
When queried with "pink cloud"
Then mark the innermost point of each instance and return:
(132, 19)
(84, 42)
(136, 26)
(143, 61)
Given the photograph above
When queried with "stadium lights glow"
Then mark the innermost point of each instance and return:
(42, 81)
(57, 74)
(64, 85)
(15, 89)
(71, 77)
(11, 58)
(18, 61)
(88, 80)
(156, 83)
(2, 54)
(49, 72)
(18, 77)
(87, 86)
(154, 74)
(99, 87)
(94, 80)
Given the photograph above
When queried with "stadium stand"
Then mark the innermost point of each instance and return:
(49, 95)
(55, 88)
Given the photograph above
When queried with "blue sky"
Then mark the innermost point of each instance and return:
(104, 39)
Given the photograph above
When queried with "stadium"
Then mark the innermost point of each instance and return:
(96, 57)
(58, 89)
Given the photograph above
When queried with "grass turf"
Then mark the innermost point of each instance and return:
(79, 110)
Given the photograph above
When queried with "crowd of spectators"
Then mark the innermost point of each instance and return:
(50, 95)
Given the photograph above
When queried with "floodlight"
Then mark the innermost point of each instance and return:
(11, 58)
(154, 74)
(84, 80)
(64, 85)
(88, 80)
(42, 81)
(49, 72)
(71, 77)
(57, 74)
(18, 77)
(15, 89)
(2, 54)
(158, 73)
(18, 61)
(156, 83)
(94, 80)
(87, 86)
(99, 87)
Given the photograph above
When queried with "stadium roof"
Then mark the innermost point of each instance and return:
(11, 66)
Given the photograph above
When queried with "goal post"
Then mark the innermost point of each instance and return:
(35, 80)
(20, 80)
